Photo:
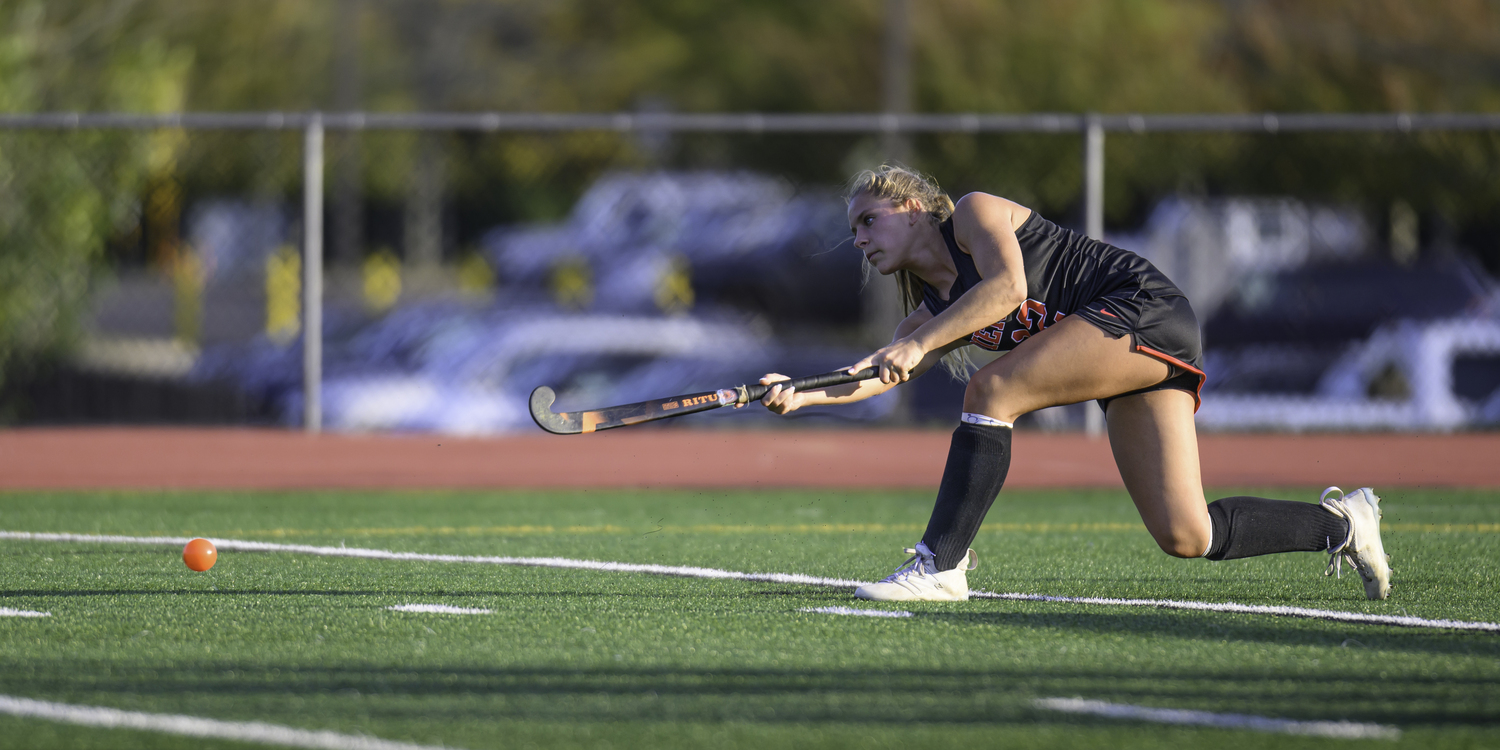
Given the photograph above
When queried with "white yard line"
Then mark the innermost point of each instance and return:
(786, 578)
(1254, 609)
(856, 612)
(8, 612)
(380, 554)
(1347, 730)
(193, 726)
(438, 609)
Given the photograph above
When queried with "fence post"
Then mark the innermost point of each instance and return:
(312, 268)
(895, 81)
(1093, 212)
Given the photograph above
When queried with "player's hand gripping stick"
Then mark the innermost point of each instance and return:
(574, 422)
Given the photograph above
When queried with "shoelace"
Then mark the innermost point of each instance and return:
(914, 565)
(1335, 566)
(1336, 562)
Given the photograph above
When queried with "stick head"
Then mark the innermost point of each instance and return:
(541, 413)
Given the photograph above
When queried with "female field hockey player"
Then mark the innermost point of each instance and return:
(1080, 320)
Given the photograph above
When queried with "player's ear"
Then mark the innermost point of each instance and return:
(913, 208)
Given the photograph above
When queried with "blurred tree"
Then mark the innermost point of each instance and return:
(786, 56)
(766, 55)
(1376, 56)
(1072, 56)
(64, 194)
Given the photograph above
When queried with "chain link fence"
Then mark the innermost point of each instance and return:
(162, 269)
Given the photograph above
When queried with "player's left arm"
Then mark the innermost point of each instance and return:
(984, 226)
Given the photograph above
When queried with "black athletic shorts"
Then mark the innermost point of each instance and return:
(1163, 327)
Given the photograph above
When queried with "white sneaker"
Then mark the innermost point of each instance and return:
(919, 580)
(1363, 550)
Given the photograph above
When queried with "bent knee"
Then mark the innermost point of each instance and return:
(1185, 543)
(987, 393)
(983, 385)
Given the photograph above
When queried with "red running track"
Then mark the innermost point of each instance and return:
(125, 458)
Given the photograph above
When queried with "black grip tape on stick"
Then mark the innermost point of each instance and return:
(758, 391)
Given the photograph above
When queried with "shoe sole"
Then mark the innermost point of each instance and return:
(869, 596)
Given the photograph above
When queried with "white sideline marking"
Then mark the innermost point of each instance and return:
(1404, 621)
(8, 612)
(789, 578)
(380, 554)
(193, 726)
(857, 612)
(439, 609)
(1347, 730)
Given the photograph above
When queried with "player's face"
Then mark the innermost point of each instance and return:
(882, 231)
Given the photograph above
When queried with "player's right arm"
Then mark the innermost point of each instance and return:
(783, 402)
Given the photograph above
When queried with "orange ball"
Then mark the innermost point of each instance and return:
(200, 554)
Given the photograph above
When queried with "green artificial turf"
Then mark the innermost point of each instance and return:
(574, 658)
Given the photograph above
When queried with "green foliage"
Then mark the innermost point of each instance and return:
(1377, 56)
(66, 194)
(52, 225)
(63, 194)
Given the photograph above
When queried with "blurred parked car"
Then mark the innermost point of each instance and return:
(443, 368)
(743, 239)
(657, 284)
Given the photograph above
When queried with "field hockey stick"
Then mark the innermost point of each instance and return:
(574, 422)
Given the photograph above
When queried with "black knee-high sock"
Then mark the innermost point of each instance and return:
(1250, 526)
(978, 460)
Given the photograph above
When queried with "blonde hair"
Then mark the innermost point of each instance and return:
(898, 184)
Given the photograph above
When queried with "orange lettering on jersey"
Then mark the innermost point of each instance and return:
(988, 337)
(1028, 319)
(1023, 315)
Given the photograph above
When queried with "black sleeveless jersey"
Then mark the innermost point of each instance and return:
(1065, 271)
